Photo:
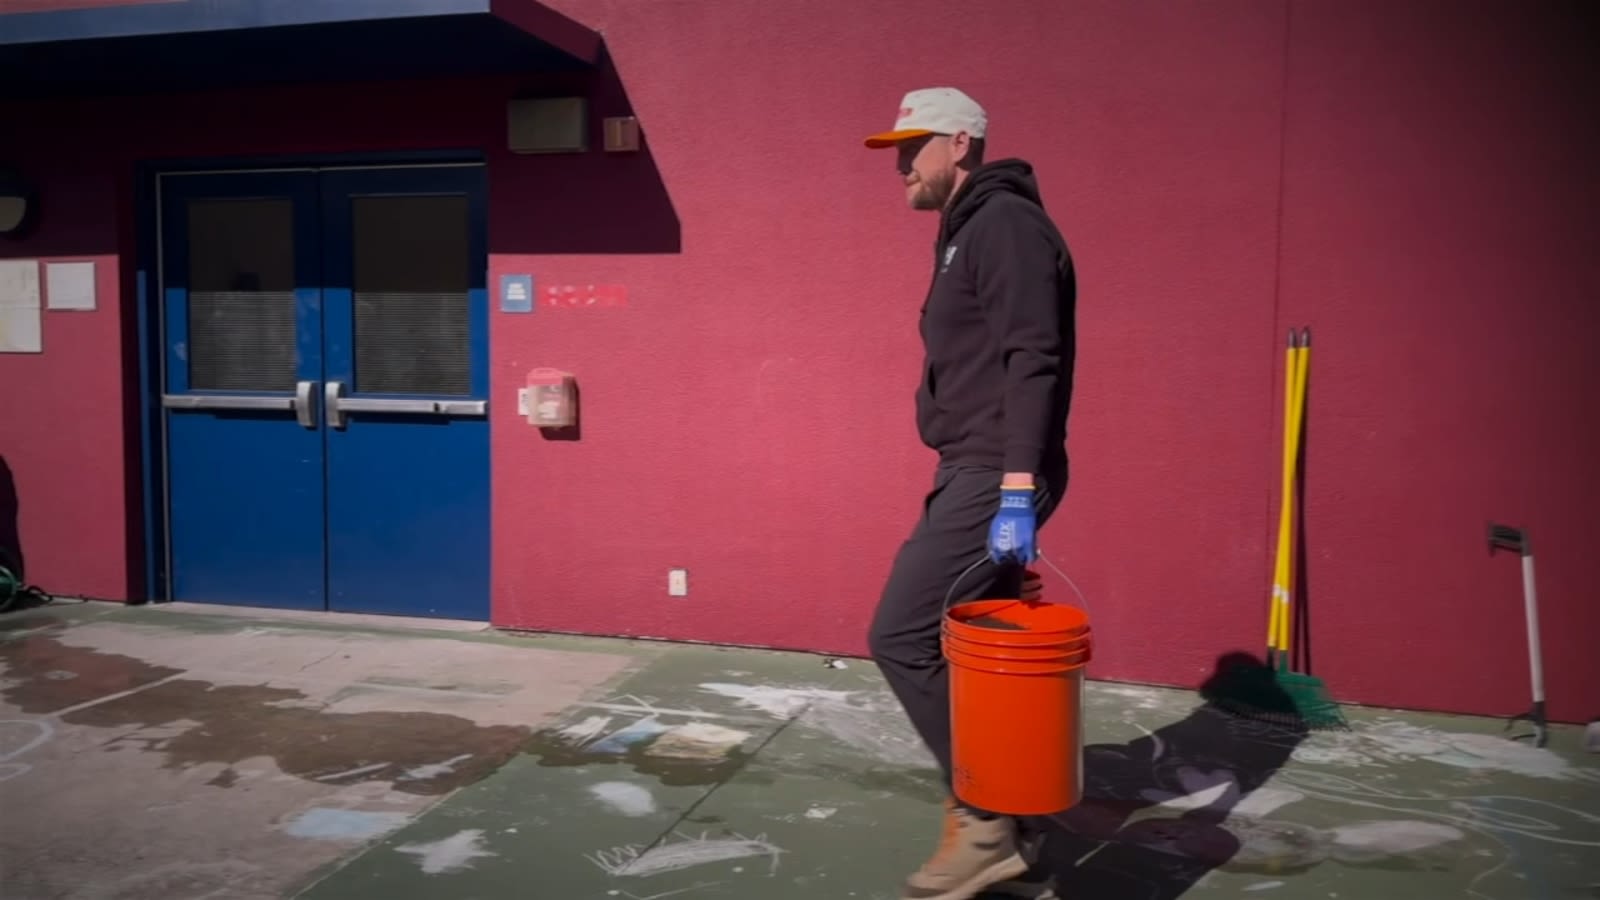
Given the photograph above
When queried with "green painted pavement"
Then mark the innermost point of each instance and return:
(813, 786)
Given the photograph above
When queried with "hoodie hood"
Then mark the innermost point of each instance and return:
(1003, 176)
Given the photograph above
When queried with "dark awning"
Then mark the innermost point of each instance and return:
(74, 47)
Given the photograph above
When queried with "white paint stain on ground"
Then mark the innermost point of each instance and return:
(873, 724)
(1263, 801)
(1275, 842)
(451, 854)
(327, 824)
(1386, 742)
(1199, 797)
(697, 886)
(1217, 788)
(583, 732)
(779, 702)
(351, 773)
(434, 770)
(698, 740)
(821, 812)
(1289, 845)
(869, 721)
(1371, 841)
(18, 737)
(684, 853)
(1264, 886)
(622, 797)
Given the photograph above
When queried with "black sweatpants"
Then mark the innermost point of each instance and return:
(951, 536)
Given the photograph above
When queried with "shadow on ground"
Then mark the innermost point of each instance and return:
(1122, 842)
(10, 533)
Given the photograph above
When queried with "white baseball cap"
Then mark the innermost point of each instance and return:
(940, 110)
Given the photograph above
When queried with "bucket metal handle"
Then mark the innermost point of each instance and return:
(950, 594)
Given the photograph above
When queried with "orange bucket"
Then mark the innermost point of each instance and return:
(1016, 704)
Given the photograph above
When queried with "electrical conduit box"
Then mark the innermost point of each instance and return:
(550, 399)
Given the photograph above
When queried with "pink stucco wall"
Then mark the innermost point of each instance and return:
(63, 448)
(1223, 173)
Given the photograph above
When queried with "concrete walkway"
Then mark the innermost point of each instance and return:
(185, 753)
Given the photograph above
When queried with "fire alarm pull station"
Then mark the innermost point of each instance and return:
(550, 399)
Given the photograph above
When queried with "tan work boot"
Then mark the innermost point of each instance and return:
(1038, 883)
(974, 854)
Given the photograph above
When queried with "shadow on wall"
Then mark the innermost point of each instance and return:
(1121, 842)
(610, 203)
(10, 539)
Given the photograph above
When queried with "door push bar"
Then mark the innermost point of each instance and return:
(334, 404)
(299, 404)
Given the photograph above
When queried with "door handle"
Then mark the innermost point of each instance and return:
(299, 404)
(227, 401)
(337, 405)
(331, 392)
(303, 413)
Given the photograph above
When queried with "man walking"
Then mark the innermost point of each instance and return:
(998, 333)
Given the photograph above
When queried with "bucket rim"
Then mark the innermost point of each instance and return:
(1008, 637)
(983, 648)
(1026, 668)
(1078, 655)
(1077, 619)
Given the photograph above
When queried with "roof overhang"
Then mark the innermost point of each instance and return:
(77, 47)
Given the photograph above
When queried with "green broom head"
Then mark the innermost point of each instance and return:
(1246, 687)
(14, 594)
(10, 585)
(1312, 706)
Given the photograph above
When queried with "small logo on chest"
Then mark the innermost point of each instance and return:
(949, 255)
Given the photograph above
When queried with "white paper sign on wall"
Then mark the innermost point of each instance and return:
(69, 285)
(20, 330)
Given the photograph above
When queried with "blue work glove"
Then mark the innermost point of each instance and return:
(1011, 534)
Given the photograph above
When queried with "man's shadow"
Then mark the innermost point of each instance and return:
(10, 538)
(16, 596)
(1151, 821)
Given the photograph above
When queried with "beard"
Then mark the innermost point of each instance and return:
(934, 191)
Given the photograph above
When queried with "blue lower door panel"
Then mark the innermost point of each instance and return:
(246, 509)
(408, 516)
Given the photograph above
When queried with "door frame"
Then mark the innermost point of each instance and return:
(149, 535)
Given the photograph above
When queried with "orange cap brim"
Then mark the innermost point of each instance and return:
(891, 138)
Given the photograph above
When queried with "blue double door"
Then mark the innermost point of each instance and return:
(325, 388)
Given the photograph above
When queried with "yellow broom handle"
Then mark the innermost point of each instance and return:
(1279, 567)
(1297, 417)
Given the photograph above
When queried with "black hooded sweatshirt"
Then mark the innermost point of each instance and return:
(998, 328)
